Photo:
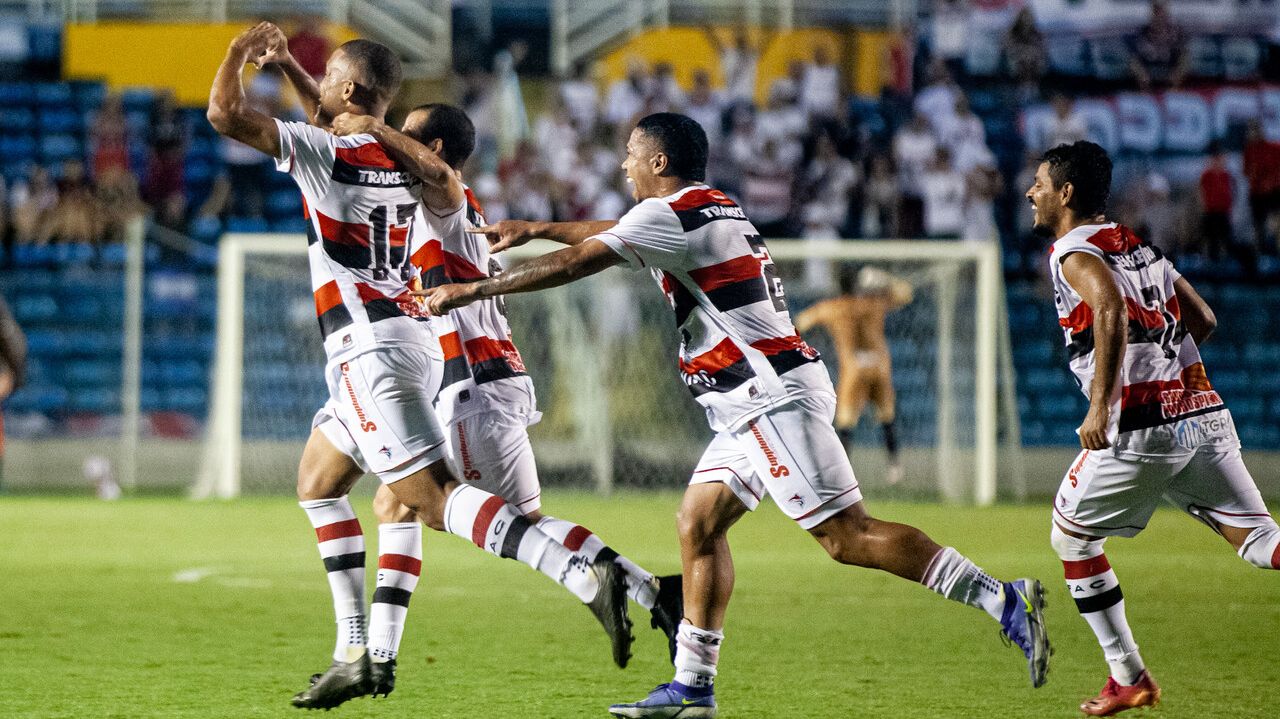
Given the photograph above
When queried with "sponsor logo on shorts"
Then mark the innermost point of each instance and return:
(365, 424)
(1191, 433)
(469, 473)
(385, 451)
(775, 468)
(1075, 468)
(797, 499)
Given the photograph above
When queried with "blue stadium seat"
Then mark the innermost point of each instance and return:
(290, 225)
(56, 148)
(91, 373)
(284, 203)
(182, 372)
(56, 94)
(1240, 58)
(114, 254)
(199, 170)
(1204, 57)
(17, 120)
(44, 42)
(55, 120)
(137, 99)
(150, 399)
(185, 399)
(101, 400)
(34, 255)
(1258, 435)
(14, 94)
(205, 229)
(89, 95)
(246, 224)
(48, 343)
(29, 308)
(1231, 383)
(15, 148)
(38, 398)
(73, 253)
(1110, 58)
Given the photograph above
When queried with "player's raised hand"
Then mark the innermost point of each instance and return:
(349, 124)
(448, 297)
(277, 50)
(505, 234)
(254, 41)
(1093, 432)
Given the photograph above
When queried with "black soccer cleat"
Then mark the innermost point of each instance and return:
(382, 678)
(610, 607)
(668, 610)
(340, 682)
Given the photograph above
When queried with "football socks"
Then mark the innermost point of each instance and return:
(1096, 591)
(342, 548)
(399, 567)
(641, 587)
(953, 576)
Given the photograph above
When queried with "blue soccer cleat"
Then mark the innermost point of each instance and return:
(1022, 623)
(668, 701)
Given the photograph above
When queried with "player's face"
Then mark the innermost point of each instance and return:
(639, 165)
(1046, 203)
(335, 88)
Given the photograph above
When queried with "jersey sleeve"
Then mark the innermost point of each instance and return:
(306, 154)
(649, 235)
(1068, 246)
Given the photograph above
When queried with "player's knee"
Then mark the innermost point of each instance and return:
(1073, 549)
(388, 509)
(696, 529)
(844, 537)
(313, 484)
(1262, 547)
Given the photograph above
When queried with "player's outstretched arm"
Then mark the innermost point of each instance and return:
(550, 270)
(1089, 277)
(278, 54)
(229, 111)
(1196, 313)
(512, 233)
(444, 189)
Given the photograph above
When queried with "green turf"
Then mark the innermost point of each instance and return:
(93, 623)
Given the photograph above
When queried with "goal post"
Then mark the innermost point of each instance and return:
(601, 354)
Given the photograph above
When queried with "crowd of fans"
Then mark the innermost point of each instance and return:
(805, 160)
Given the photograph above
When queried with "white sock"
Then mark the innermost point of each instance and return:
(1096, 590)
(697, 654)
(399, 566)
(641, 585)
(1262, 547)
(953, 576)
(341, 544)
(499, 528)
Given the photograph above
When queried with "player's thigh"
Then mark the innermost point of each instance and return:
(1103, 495)
(799, 458)
(851, 396)
(383, 401)
(491, 450)
(707, 511)
(882, 395)
(1216, 488)
(325, 472)
(724, 463)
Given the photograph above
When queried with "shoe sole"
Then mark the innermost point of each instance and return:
(612, 611)
(667, 712)
(1038, 662)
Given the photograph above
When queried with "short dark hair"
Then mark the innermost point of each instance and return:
(682, 139)
(452, 127)
(1086, 166)
(378, 66)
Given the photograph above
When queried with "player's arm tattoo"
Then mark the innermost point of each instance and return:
(551, 270)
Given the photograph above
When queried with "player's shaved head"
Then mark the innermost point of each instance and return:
(374, 67)
(446, 123)
(681, 139)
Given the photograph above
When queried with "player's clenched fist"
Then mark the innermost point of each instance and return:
(505, 234)
(448, 297)
(349, 124)
(1093, 432)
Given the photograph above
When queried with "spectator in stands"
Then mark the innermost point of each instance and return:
(943, 191)
(109, 137)
(739, 62)
(77, 215)
(982, 186)
(937, 100)
(783, 122)
(880, 200)
(116, 192)
(1215, 203)
(740, 148)
(1157, 216)
(310, 46)
(1024, 51)
(165, 185)
(766, 191)
(31, 203)
(1158, 56)
(820, 85)
(1066, 126)
(914, 149)
(555, 133)
(706, 105)
(581, 98)
(626, 96)
(949, 34)
(247, 168)
(828, 184)
(963, 127)
(665, 94)
(1262, 173)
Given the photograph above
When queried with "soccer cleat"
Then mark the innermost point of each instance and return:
(382, 678)
(610, 607)
(668, 702)
(1023, 624)
(668, 610)
(1116, 697)
(340, 682)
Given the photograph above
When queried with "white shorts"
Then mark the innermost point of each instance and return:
(380, 414)
(491, 451)
(791, 453)
(1106, 496)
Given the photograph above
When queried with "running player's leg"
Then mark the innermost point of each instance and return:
(399, 567)
(885, 401)
(1217, 489)
(1103, 496)
(852, 391)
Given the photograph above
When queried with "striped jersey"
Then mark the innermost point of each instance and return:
(740, 354)
(1164, 404)
(482, 367)
(360, 208)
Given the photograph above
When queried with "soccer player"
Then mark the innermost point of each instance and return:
(767, 396)
(486, 398)
(1155, 427)
(855, 323)
(383, 360)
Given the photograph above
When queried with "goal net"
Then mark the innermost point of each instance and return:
(601, 353)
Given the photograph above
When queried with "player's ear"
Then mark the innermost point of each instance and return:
(1066, 192)
(436, 145)
(348, 90)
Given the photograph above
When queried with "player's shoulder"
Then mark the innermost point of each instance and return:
(1099, 240)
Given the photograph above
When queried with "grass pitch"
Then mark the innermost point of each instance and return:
(166, 608)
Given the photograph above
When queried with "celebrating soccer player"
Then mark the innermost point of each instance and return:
(384, 363)
(1155, 427)
(767, 396)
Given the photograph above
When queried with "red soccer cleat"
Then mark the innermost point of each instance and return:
(1116, 697)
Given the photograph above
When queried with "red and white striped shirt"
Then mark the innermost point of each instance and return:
(482, 367)
(740, 354)
(1163, 403)
(360, 207)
